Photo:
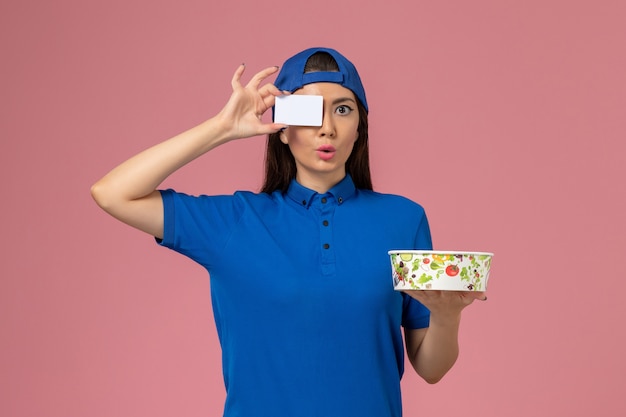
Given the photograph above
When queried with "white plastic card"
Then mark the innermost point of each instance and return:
(299, 110)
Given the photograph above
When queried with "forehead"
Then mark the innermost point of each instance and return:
(328, 90)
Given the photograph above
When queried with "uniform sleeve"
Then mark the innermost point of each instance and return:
(414, 314)
(199, 226)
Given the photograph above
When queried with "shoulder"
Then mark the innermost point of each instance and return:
(390, 202)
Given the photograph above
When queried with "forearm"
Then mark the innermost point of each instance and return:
(128, 192)
(439, 348)
(141, 175)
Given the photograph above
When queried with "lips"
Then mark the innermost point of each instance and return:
(325, 152)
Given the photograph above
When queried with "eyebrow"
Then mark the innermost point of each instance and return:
(342, 99)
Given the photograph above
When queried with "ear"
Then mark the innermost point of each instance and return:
(283, 137)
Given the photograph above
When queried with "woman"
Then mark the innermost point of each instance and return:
(300, 278)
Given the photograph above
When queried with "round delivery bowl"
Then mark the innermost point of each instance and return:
(440, 270)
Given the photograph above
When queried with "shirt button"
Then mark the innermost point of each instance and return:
(304, 202)
(325, 222)
(326, 246)
(340, 200)
(323, 200)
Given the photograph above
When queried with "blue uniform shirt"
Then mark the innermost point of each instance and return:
(302, 295)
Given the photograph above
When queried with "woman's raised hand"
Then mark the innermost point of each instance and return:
(241, 116)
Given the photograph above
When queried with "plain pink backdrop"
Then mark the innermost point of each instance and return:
(505, 119)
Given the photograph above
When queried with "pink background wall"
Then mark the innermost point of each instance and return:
(505, 119)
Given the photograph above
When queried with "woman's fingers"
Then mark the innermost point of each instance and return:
(235, 82)
(270, 89)
(260, 76)
(268, 93)
(256, 79)
(482, 296)
(249, 103)
(432, 299)
(269, 128)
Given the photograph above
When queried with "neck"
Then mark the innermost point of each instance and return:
(319, 183)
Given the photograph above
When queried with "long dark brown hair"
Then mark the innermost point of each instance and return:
(280, 165)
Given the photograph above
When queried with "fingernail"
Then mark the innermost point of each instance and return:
(484, 299)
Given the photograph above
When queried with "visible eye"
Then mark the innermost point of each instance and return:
(343, 109)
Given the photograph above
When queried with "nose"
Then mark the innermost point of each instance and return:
(328, 125)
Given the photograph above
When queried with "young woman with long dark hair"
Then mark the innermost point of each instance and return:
(308, 321)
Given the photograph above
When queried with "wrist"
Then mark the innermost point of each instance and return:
(216, 131)
(445, 319)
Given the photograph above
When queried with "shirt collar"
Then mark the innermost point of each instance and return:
(303, 196)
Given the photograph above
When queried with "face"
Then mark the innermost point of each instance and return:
(321, 152)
